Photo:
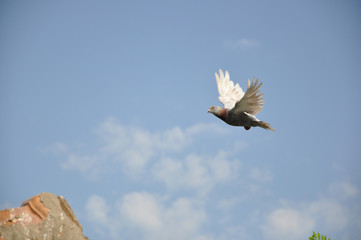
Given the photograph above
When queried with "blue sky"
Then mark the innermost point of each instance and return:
(106, 104)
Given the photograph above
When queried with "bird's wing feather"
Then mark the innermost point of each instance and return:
(252, 101)
(229, 93)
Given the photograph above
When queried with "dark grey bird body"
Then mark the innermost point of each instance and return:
(241, 119)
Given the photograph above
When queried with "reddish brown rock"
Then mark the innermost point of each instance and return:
(44, 216)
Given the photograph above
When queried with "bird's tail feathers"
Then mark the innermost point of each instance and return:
(265, 125)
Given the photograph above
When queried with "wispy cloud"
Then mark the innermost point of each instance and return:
(343, 190)
(241, 43)
(261, 175)
(127, 148)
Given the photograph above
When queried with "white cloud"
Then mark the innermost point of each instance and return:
(196, 172)
(188, 174)
(150, 216)
(222, 168)
(184, 219)
(143, 210)
(145, 215)
(299, 221)
(97, 209)
(287, 223)
(330, 214)
(133, 147)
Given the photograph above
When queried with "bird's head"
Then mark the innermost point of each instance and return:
(215, 110)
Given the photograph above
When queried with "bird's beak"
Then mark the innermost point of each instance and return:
(209, 110)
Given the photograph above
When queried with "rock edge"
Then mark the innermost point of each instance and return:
(44, 216)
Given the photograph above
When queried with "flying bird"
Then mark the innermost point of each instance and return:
(239, 108)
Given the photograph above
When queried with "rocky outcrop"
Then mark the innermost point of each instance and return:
(44, 216)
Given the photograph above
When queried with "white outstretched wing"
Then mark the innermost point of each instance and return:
(229, 93)
(252, 101)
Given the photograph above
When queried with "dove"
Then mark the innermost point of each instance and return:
(240, 107)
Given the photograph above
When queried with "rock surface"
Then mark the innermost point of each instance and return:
(44, 216)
